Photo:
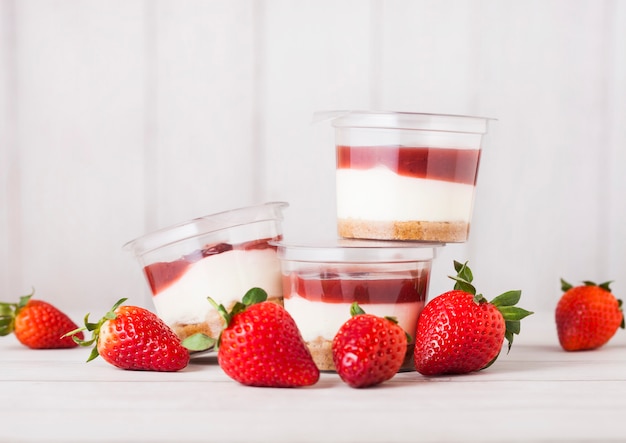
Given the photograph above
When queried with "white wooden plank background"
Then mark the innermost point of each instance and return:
(118, 117)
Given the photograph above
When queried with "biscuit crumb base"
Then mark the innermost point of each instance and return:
(446, 232)
(322, 353)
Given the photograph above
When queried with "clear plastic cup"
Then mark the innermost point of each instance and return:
(321, 281)
(406, 176)
(221, 255)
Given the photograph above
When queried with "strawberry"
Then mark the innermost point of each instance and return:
(367, 349)
(134, 338)
(460, 331)
(36, 323)
(262, 346)
(587, 316)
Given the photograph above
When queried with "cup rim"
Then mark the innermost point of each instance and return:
(405, 120)
(357, 251)
(206, 224)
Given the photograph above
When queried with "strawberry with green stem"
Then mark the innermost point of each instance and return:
(368, 349)
(587, 316)
(460, 331)
(261, 344)
(36, 323)
(133, 338)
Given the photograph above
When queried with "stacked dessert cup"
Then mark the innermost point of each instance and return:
(404, 188)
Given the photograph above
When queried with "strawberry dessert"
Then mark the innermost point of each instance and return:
(219, 256)
(404, 176)
(321, 283)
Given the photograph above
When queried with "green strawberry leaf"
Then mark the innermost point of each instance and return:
(514, 326)
(565, 286)
(94, 354)
(463, 278)
(514, 313)
(6, 309)
(508, 335)
(606, 285)
(463, 271)
(236, 309)
(463, 285)
(254, 296)
(509, 298)
(6, 325)
(199, 342)
(355, 309)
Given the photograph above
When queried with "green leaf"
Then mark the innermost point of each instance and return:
(236, 309)
(514, 313)
(509, 298)
(94, 354)
(565, 286)
(463, 285)
(199, 342)
(6, 326)
(509, 338)
(355, 309)
(254, 296)
(223, 312)
(463, 278)
(458, 266)
(7, 309)
(23, 301)
(606, 285)
(514, 326)
(463, 271)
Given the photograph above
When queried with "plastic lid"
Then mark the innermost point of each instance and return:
(206, 224)
(405, 120)
(358, 251)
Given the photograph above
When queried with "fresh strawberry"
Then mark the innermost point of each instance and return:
(134, 338)
(36, 323)
(460, 331)
(367, 349)
(262, 346)
(587, 316)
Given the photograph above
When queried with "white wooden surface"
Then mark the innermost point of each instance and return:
(118, 117)
(535, 393)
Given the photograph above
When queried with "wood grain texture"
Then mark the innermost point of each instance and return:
(537, 392)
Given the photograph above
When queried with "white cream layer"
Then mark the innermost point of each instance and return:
(224, 277)
(319, 319)
(379, 194)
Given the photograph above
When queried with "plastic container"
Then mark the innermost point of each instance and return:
(406, 176)
(321, 281)
(221, 255)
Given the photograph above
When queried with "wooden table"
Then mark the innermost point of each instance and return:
(536, 393)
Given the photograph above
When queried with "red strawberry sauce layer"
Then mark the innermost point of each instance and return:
(449, 164)
(331, 288)
(161, 275)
